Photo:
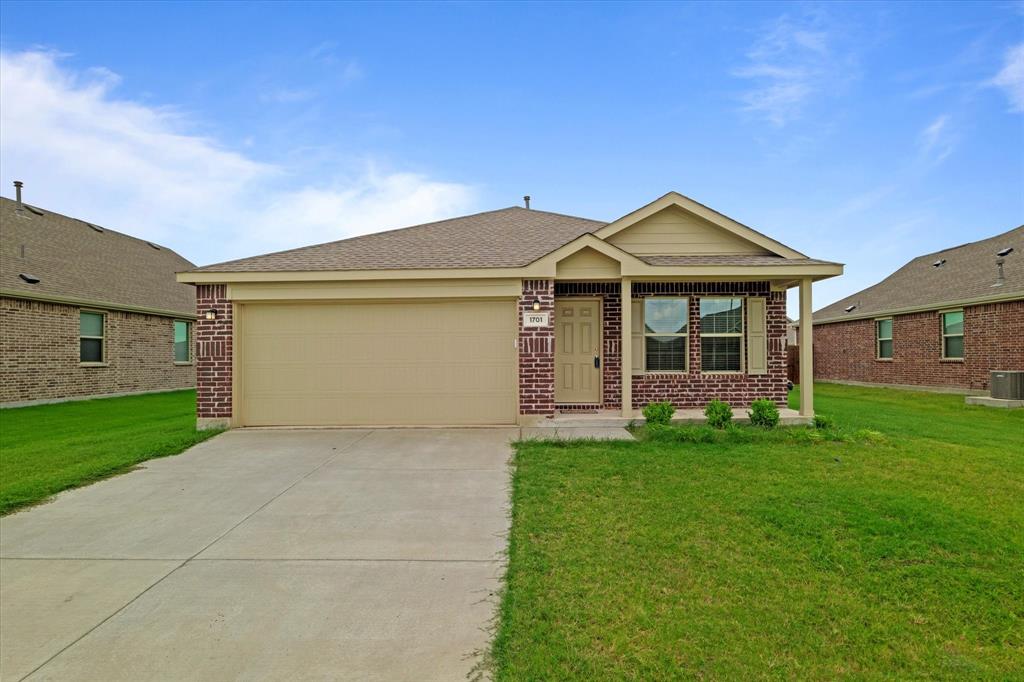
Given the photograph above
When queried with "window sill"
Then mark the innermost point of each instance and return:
(729, 372)
(183, 364)
(663, 372)
(951, 359)
(883, 359)
(93, 364)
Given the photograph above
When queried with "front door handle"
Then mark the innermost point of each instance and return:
(597, 362)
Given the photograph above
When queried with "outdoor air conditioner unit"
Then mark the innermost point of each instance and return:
(1007, 385)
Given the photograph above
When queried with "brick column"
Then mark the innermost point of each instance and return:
(537, 350)
(213, 357)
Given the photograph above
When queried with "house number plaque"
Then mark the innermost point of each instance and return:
(536, 319)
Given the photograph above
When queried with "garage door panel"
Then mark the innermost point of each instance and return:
(416, 363)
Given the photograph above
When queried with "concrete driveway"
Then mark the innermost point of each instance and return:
(266, 554)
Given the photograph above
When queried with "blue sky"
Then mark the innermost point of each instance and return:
(864, 133)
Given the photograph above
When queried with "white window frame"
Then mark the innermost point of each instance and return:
(103, 339)
(944, 335)
(686, 336)
(740, 334)
(188, 341)
(879, 339)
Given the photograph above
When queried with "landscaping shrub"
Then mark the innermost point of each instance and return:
(659, 413)
(764, 413)
(823, 422)
(718, 414)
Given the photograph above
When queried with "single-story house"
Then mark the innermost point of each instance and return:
(87, 312)
(943, 320)
(501, 317)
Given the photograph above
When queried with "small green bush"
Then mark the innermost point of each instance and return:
(718, 414)
(823, 422)
(659, 413)
(764, 413)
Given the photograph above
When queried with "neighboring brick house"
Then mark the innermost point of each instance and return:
(503, 317)
(88, 312)
(943, 320)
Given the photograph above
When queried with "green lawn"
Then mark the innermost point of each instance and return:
(49, 448)
(891, 553)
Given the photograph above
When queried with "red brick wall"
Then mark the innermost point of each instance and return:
(691, 389)
(39, 354)
(213, 352)
(993, 339)
(537, 350)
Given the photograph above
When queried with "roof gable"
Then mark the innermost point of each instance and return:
(673, 231)
(675, 221)
(83, 262)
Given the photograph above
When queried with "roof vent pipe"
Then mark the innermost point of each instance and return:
(18, 184)
(526, 200)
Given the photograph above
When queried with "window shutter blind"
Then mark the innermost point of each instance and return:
(757, 336)
(637, 332)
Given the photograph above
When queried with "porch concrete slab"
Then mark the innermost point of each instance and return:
(576, 432)
(221, 620)
(396, 514)
(49, 604)
(170, 508)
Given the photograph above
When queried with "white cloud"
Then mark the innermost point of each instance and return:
(144, 170)
(937, 140)
(1011, 77)
(788, 65)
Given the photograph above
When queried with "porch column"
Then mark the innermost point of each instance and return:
(806, 350)
(626, 356)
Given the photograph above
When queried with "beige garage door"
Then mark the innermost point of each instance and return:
(409, 363)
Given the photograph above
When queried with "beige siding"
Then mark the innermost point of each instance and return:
(675, 232)
(370, 289)
(401, 363)
(588, 264)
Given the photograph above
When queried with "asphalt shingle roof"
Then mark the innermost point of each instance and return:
(78, 260)
(506, 238)
(969, 272)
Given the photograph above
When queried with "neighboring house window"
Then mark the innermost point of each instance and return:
(953, 335)
(182, 348)
(90, 333)
(883, 332)
(665, 334)
(721, 334)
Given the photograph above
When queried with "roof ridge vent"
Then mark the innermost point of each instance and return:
(939, 263)
(33, 209)
(94, 227)
(153, 246)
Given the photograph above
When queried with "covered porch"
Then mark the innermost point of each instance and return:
(597, 341)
